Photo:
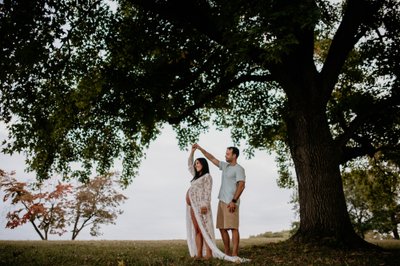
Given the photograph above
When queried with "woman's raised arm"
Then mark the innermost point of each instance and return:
(190, 162)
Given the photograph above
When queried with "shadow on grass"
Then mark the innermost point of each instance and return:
(290, 253)
(260, 251)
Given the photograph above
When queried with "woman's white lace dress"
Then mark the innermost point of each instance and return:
(200, 196)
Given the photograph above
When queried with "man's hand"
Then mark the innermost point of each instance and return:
(231, 207)
(207, 155)
(194, 147)
(203, 210)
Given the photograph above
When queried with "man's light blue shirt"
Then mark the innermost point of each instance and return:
(230, 176)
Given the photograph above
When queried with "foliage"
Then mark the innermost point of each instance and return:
(46, 211)
(50, 212)
(174, 252)
(373, 195)
(92, 82)
(96, 204)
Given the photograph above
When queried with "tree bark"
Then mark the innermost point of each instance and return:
(37, 230)
(323, 212)
(75, 231)
(395, 224)
(396, 233)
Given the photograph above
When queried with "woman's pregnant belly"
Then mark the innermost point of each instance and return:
(187, 198)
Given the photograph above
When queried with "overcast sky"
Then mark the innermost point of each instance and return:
(156, 205)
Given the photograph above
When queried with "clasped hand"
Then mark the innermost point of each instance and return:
(231, 206)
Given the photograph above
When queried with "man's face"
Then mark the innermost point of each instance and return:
(229, 156)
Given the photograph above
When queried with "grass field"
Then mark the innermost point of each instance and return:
(261, 251)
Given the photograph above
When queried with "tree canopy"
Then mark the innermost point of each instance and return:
(316, 80)
(90, 82)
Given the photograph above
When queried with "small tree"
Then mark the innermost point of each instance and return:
(386, 197)
(372, 192)
(46, 211)
(96, 203)
(51, 212)
(357, 188)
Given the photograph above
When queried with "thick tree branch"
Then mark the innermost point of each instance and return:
(352, 153)
(376, 110)
(366, 148)
(358, 12)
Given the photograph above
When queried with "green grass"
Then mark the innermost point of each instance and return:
(262, 251)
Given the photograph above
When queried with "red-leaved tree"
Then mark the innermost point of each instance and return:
(96, 203)
(51, 212)
(46, 211)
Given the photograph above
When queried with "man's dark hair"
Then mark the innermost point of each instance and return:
(234, 151)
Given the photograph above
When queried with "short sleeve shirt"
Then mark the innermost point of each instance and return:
(230, 176)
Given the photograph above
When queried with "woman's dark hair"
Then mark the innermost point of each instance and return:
(205, 169)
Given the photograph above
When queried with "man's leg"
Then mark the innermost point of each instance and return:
(235, 242)
(226, 240)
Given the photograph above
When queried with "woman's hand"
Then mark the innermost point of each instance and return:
(232, 207)
(203, 210)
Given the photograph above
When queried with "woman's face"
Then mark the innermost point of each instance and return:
(198, 166)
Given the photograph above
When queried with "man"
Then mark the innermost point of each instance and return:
(232, 186)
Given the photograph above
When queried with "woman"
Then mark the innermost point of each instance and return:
(199, 220)
(198, 199)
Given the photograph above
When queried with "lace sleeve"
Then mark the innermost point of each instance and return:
(190, 165)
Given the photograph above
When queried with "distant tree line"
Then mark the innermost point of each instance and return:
(270, 234)
(52, 211)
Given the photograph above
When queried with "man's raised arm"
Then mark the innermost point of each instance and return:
(208, 155)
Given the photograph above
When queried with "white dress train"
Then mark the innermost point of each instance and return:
(200, 196)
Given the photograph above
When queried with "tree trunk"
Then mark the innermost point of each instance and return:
(396, 233)
(37, 230)
(395, 224)
(75, 231)
(323, 212)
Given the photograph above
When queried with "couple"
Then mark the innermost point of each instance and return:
(199, 220)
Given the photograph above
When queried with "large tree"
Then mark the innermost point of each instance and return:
(316, 80)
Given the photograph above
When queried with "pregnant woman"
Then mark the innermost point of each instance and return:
(199, 216)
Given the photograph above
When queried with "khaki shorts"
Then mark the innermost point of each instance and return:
(226, 219)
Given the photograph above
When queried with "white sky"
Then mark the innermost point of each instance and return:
(155, 209)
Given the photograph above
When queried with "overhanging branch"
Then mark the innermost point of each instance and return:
(200, 16)
(352, 153)
(224, 86)
(366, 147)
(376, 110)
